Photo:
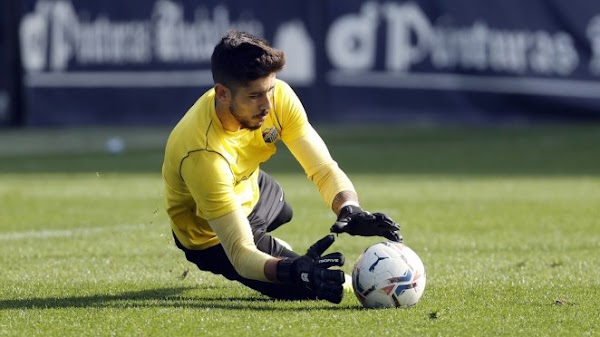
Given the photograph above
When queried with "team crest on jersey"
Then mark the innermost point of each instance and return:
(270, 135)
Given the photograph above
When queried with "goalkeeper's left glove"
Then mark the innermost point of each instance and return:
(354, 221)
(313, 271)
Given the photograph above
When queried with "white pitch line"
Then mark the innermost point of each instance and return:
(65, 233)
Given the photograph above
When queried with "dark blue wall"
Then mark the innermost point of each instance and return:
(145, 62)
(8, 77)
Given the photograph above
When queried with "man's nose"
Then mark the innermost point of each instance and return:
(266, 104)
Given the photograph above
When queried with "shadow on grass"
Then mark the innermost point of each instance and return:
(162, 297)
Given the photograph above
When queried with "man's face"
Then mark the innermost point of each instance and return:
(251, 104)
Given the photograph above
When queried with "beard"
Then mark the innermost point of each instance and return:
(246, 123)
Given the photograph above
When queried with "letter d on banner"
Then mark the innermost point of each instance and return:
(351, 40)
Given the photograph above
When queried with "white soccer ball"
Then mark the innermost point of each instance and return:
(388, 275)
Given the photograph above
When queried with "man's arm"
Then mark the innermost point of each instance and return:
(344, 198)
(271, 269)
(237, 240)
(311, 270)
(338, 191)
(314, 157)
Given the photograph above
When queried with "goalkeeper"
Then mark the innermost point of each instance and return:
(222, 207)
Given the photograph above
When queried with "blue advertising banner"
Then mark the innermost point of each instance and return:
(464, 60)
(146, 62)
(141, 62)
(5, 77)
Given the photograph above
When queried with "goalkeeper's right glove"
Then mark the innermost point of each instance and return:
(312, 271)
(354, 221)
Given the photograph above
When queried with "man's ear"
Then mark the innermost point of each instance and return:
(222, 93)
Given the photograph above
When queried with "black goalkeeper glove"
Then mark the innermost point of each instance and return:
(354, 221)
(312, 271)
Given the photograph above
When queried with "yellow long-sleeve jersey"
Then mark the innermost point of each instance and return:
(211, 174)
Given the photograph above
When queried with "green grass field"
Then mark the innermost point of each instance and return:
(506, 221)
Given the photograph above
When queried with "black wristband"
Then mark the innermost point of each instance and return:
(284, 271)
(347, 210)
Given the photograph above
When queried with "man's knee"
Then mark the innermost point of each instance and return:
(284, 216)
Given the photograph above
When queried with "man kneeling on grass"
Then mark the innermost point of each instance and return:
(222, 207)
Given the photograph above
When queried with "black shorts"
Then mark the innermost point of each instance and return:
(270, 212)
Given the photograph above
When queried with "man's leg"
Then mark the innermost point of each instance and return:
(270, 212)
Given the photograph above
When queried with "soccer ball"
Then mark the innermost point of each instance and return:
(388, 275)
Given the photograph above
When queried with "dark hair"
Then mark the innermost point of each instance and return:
(240, 58)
